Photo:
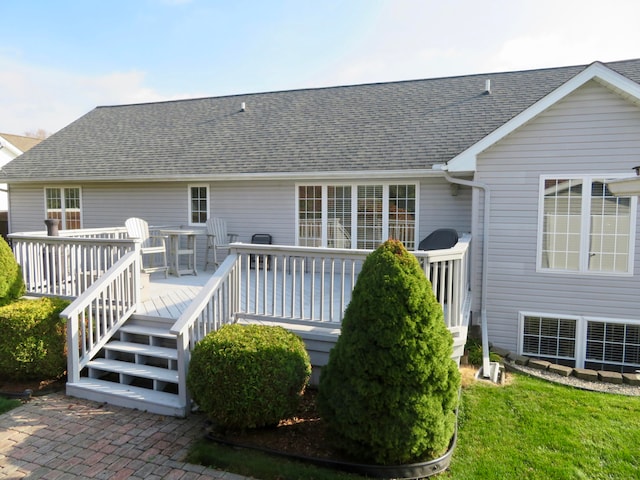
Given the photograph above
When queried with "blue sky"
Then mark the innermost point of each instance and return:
(60, 59)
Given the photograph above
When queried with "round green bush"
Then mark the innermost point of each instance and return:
(33, 339)
(390, 389)
(11, 282)
(248, 376)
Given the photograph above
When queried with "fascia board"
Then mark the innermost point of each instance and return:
(466, 161)
(11, 147)
(303, 176)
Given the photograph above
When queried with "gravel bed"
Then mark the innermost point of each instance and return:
(621, 389)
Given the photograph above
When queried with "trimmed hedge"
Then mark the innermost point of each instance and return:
(33, 339)
(11, 282)
(248, 376)
(390, 389)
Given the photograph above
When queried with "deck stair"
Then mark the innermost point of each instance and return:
(137, 368)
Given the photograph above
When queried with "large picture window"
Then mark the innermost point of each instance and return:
(356, 216)
(63, 204)
(584, 227)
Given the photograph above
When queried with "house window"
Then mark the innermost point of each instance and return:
(198, 204)
(356, 216)
(577, 341)
(310, 216)
(402, 218)
(339, 217)
(584, 227)
(370, 216)
(549, 338)
(63, 204)
(613, 346)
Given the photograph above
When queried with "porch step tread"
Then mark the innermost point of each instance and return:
(133, 395)
(148, 331)
(142, 349)
(134, 369)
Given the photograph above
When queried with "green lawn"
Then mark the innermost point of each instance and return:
(531, 429)
(6, 404)
(528, 429)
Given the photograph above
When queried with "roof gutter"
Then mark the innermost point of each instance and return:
(489, 369)
(227, 177)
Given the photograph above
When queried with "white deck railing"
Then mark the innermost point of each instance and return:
(304, 284)
(68, 264)
(212, 308)
(94, 317)
(315, 284)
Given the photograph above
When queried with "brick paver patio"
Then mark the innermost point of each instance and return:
(59, 437)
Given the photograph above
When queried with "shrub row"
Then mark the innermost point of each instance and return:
(389, 391)
(32, 339)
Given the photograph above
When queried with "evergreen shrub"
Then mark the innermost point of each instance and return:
(248, 376)
(33, 339)
(390, 389)
(11, 282)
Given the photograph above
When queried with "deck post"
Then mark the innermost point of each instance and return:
(182, 343)
(137, 275)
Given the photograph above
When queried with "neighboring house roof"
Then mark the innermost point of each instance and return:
(397, 126)
(18, 143)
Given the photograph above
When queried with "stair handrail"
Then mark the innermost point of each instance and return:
(101, 309)
(213, 307)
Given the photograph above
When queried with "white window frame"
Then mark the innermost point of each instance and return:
(63, 214)
(190, 202)
(582, 323)
(354, 208)
(588, 319)
(580, 339)
(583, 268)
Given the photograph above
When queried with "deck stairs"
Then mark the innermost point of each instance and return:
(137, 368)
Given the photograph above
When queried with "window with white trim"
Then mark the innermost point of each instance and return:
(580, 341)
(198, 204)
(356, 216)
(549, 338)
(613, 346)
(584, 227)
(63, 204)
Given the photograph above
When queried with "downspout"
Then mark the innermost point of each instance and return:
(488, 370)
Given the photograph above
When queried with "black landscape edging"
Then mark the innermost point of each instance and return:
(400, 472)
(26, 395)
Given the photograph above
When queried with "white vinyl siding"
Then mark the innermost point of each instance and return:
(593, 131)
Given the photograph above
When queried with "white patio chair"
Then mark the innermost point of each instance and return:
(217, 238)
(152, 245)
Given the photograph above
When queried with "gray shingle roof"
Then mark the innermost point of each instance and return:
(386, 126)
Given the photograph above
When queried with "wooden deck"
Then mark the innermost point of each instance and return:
(169, 297)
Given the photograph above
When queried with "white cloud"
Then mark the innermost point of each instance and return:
(35, 97)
